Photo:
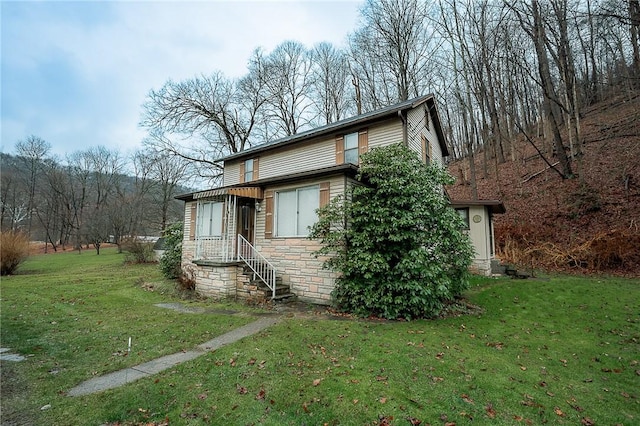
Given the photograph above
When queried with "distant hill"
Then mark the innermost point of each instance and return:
(590, 223)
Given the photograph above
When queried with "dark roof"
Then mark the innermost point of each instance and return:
(495, 206)
(357, 120)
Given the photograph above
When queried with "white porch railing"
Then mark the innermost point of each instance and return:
(260, 266)
(215, 248)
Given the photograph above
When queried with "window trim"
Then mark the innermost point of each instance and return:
(276, 203)
(464, 218)
(248, 170)
(363, 145)
(355, 148)
(249, 174)
(200, 219)
(426, 149)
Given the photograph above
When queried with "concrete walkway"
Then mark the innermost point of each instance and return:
(131, 374)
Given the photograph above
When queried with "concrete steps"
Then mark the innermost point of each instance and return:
(283, 291)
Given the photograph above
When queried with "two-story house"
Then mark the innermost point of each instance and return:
(252, 231)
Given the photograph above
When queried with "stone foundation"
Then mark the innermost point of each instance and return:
(223, 280)
(481, 267)
(299, 268)
(217, 280)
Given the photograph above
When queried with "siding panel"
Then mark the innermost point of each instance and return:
(386, 133)
(231, 174)
(299, 159)
(417, 120)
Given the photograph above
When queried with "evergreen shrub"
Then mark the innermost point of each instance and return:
(171, 260)
(397, 244)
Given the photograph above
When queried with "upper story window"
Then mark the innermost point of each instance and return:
(426, 150)
(349, 147)
(249, 170)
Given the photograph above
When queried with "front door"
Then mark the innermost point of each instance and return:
(246, 219)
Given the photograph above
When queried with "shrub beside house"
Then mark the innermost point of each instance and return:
(248, 238)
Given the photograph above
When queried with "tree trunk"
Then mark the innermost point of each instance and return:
(634, 17)
(550, 107)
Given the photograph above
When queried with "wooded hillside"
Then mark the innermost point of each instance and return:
(588, 223)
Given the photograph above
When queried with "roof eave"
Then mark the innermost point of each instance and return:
(341, 169)
(340, 125)
(495, 206)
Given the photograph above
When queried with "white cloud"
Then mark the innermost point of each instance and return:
(113, 53)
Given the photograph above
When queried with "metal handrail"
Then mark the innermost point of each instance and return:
(260, 266)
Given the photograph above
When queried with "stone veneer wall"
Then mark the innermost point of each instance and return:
(481, 267)
(299, 268)
(224, 281)
(215, 280)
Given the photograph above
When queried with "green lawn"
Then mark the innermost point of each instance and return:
(564, 350)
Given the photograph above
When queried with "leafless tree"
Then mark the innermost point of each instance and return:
(167, 173)
(551, 103)
(286, 76)
(331, 84)
(391, 51)
(13, 204)
(32, 153)
(202, 119)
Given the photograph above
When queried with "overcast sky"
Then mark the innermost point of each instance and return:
(76, 73)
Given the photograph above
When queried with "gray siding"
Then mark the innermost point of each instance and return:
(302, 158)
(386, 133)
(419, 124)
(231, 174)
(320, 152)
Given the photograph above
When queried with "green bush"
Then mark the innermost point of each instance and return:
(396, 242)
(139, 251)
(171, 260)
(14, 249)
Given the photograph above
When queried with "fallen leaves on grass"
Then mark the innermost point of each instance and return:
(385, 420)
(498, 345)
(491, 412)
(466, 398)
(575, 406)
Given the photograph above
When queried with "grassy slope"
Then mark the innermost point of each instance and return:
(72, 315)
(558, 350)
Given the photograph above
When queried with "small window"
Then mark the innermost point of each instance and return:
(351, 148)
(295, 211)
(464, 214)
(248, 170)
(426, 150)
